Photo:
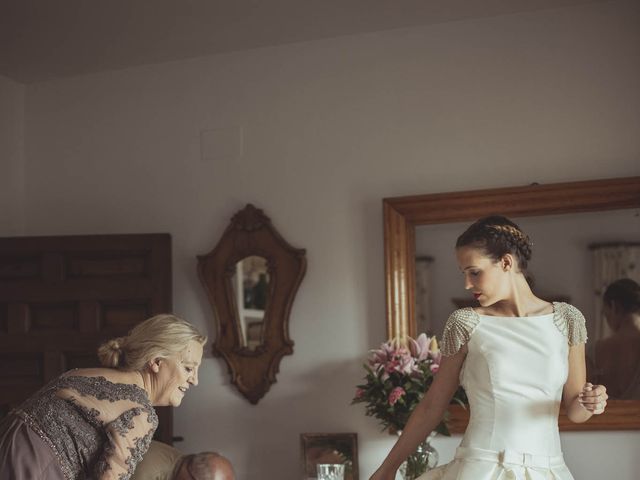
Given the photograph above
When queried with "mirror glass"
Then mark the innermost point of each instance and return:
(564, 265)
(251, 288)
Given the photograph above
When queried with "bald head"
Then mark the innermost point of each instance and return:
(205, 466)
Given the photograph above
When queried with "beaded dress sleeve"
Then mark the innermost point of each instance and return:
(458, 329)
(570, 322)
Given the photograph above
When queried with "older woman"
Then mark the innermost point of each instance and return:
(97, 423)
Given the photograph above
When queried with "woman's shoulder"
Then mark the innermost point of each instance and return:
(567, 313)
(106, 383)
(458, 329)
(464, 315)
(566, 309)
(112, 374)
(571, 322)
(462, 322)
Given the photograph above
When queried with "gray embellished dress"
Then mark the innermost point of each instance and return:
(77, 427)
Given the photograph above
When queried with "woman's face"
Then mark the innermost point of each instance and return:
(176, 374)
(487, 280)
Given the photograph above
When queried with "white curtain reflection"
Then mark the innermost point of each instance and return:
(423, 296)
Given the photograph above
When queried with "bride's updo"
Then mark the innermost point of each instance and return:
(496, 236)
(157, 337)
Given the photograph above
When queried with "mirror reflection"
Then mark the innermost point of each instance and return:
(575, 258)
(251, 288)
(616, 357)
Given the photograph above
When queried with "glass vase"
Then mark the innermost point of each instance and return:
(423, 459)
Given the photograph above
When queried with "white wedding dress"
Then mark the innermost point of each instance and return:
(513, 374)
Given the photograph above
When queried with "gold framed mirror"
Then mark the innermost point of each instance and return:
(403, 214)
(251, 278)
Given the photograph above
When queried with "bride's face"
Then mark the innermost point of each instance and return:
(487, 280)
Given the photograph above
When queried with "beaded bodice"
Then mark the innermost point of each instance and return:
(96, 428)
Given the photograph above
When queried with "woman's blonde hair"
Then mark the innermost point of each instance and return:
(157, 337)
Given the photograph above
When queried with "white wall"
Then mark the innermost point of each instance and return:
(330, 128)
(11, 157)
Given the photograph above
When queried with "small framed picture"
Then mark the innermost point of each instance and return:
(318, 448)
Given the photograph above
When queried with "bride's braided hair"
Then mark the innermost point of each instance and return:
(496, 236)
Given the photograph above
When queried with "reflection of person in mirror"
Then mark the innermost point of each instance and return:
(260, 292)
(517, 357)
(617, 357)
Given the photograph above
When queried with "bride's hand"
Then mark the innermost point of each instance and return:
(593, 398)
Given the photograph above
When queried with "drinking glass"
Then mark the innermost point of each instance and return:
(330, 471)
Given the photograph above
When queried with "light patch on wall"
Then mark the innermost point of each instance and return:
(221, 144)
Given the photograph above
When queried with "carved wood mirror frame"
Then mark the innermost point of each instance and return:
(250, 233)
(403, 214)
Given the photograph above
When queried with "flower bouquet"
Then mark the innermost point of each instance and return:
(397, 378)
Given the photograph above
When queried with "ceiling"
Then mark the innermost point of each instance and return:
(45, 39)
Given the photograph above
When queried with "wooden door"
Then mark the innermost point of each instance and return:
(60, 297)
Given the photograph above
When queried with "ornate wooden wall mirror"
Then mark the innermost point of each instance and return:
(251, 278)
(403, 214)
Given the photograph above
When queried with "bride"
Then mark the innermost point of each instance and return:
(517, 356)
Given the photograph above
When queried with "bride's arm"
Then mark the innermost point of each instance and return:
(581, 399)
(426, 416)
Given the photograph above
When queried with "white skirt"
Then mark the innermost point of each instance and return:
(479, 464)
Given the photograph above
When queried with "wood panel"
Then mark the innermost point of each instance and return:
(60, 297)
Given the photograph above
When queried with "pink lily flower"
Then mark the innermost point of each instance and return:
(420, 347)
(395, 395)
